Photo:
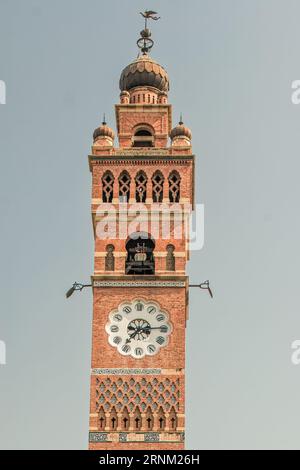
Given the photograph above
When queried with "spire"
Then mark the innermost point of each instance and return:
(145, 43)
(104, 120)
(180, 120)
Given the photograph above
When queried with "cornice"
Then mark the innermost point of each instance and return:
(130, 281)
(136, 159)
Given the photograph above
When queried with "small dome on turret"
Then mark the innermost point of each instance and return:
(103, 131)
(181, 131)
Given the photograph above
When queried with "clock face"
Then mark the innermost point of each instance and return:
(138, 328)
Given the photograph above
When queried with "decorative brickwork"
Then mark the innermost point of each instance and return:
(137, 398)
(144, 404)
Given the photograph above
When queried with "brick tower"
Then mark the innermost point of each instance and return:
(142, 193)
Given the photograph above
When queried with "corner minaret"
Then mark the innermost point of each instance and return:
(142, 196)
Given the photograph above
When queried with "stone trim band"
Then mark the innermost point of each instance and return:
(136, 437)
(138, 284)
(126, 371)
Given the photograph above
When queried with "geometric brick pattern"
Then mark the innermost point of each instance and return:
(119, 392)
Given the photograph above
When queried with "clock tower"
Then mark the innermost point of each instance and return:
(142, 196)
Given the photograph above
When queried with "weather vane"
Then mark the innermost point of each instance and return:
(145, 43)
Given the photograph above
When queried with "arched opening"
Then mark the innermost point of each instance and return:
(174, 186)
(124, 186)
(101, 419)
(143, 138)
(161, 419)
(141, 186)
(157, 186)
(170, 260)
(113, 419)
(109, 258)
(137, 419)
(149, 419)
(125, 419)
(140, 257)
(173, 419)
(107, 186)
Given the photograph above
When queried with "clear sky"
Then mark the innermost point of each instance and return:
(231, 64)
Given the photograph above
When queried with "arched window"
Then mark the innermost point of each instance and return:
(124, 186)
(113, 419)
(140, 258)
(143, 138)
(101, 419)
(157, 186)
(141, 187)
(149, 419)
(161, 419)
(174, 187)
(107, 186)
(125, 419)
(170, 260)
(137, 419)
(172, 419)
(109, 258)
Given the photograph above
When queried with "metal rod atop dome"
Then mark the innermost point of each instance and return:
(145, 43)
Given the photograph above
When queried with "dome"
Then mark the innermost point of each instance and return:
(181, 131)
(144, 71)
(103, 131)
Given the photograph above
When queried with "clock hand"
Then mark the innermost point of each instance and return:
(152, 328)
(132, 336)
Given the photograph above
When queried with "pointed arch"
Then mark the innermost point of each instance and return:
(125, 419)
(137, 419)
(174, 186)
(101, 419)
(107, 186)
(161, 419)
(157, 186)
(141, 186)
(124, 186)
(173, 419)
(113, 419)
(149, 419)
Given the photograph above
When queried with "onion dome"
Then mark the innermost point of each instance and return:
(181, 131)
(144, 71)
(103, 131)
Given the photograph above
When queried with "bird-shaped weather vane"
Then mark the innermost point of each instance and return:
(148, 14)
(145, 43)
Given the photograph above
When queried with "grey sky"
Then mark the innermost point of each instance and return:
(231, 64)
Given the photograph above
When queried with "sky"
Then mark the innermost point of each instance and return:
(231, 64)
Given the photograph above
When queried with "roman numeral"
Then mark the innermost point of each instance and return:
(160, 340)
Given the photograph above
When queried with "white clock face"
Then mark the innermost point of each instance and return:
(138, 328)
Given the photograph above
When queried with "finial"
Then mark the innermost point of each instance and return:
(104, 120)
(180, 120)
(145, 43)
